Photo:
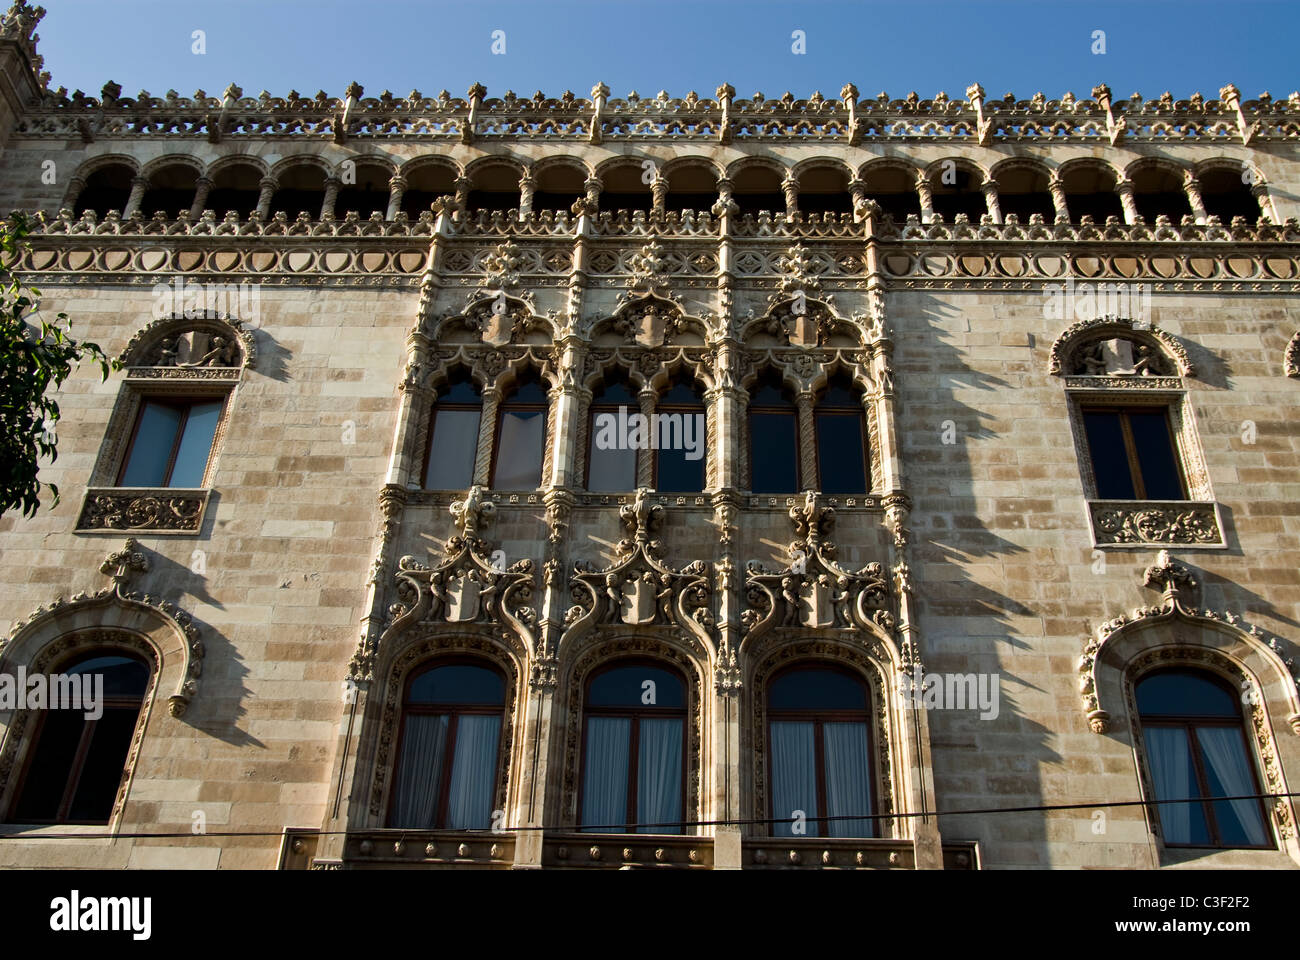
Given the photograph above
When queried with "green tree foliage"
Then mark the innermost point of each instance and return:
(36, 356)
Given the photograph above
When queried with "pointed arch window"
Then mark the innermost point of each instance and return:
(820, 747)
(1196, 747)
(453, 436)
(634, 750)
(678, 434)
(842, 462)
(77, 760)
(611, 461)
(773, 437)
(521, 437)
(449, 748)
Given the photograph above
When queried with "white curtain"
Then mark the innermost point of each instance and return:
(419, 771)
(519, 450)
(1225, 756)
(659, 774)
(1171, 769)
(604, 772)
(848, 778)
(794, 775)
(469, 804)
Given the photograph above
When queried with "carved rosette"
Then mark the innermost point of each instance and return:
(1139, 522)
(157, 511)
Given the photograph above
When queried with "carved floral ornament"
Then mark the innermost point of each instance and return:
(471, 585)
(1117, 642)
(1118, 348)
(178, 346)
(1291, 359)
(117, 607)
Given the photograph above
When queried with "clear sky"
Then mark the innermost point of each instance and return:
(1021, 46)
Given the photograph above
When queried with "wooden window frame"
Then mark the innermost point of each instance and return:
(188, 402)
(791, 410)
(1130, 445)
(600, 406)
(437, 407)
(864, 433)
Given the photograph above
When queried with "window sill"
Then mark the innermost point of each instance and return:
(1193, 524)
(161, 511)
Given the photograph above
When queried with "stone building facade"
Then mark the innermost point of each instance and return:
(993, 283)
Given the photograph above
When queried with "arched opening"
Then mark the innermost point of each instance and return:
(449, 747)
(77, 760)
(773, 436)
(842, 461)
(954, 190)
(1226, 195)
(819, 736)
(494, 187)
(301, 190)
(1023, 191)
(611, 461)
(692, 186)
(237, 187)
(425, 184)
(108, 188)
(368, 195)
(677, 432)
(757, 189)
(453, 435)
(171, 190)
(521, 436)
(1090, 192)
(559, 187)
(1196, 749)
(633, 750)
(624, 187)
(895, 190)
(824, 189)
(1158, 191)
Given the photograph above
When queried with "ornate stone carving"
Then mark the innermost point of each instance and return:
(1082, 349)
(164, 510)
(185, 345)
(1137, 522)
(1291, 359)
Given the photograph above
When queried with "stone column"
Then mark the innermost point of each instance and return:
(808, 479)
(1057, 188)
(1125, 190)
(990, 188)
(926, 197)
(790, 187)
(858, 191)
(202, 188)
(267, 187)
(659, 194)
(487, 429)
(1192, 187)
(75, 186)
(396, 188)
(138, 186)
(527, 187)
(332, 185)
(1259, 189)
(645, 464)
(564, 410)
(463, 185)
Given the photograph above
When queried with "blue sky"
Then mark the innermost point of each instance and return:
(648, 45)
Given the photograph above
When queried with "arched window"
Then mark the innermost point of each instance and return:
(841, 440)
(819, 731)
(1192, 729)
(679, 433)
(773, 438)
(453, 436)
(611, 462)
(449, 749)
(633, 749)
(77, 759)
(521, 437)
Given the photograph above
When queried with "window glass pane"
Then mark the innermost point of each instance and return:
(462, 391)
(675, 473)
(769, 395)
(840, 394)
(419, 771)
(1109, 455)
(123, 677)
(659, 774)
(604, 773)
(452, 448)
(458, 684)
(614, 395)
(848, 778)
(47, 775)
(681, 393)
(1227, 768)
(196, 445)
(1186, 694)
(1155, 452)
(146, 465)
(774, 453)
(469, 804)
(610, 469)
(817, 689)
(101, 772)
(626, 687)
(519, 450)
(794, 776)
(839, 453)
(530, 392)
(1174, 777)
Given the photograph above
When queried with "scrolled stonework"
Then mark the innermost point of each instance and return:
(1072, 352)
(195, 348)
(1134, 523)
(1291, 359)
(164, 510)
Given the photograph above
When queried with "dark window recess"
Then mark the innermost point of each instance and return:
(1193, 735)
(611, 468)
(75, 765)
(675, 470)
(841, 446)
(521, 438)
(1132, 454)
(171, 444)
(773, 440)
(453, 437)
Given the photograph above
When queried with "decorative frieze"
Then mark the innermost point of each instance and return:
(1138, 523)
(158, 511)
